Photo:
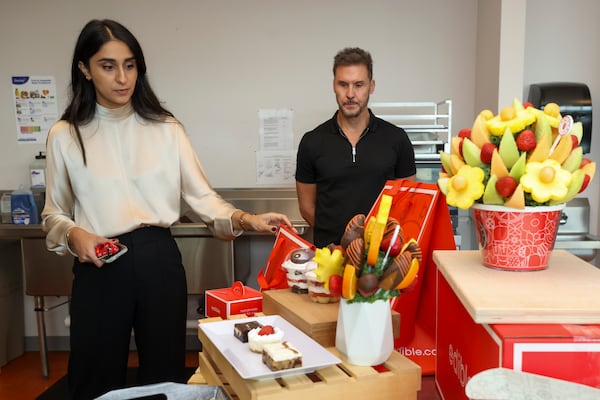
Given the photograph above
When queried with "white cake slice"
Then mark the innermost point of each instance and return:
(280, 356)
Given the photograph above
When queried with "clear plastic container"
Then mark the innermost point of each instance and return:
(296, 264)
(317, 291)
(23, 208)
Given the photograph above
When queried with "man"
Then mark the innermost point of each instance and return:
(343, 164)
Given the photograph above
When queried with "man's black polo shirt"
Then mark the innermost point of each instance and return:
(349, 180)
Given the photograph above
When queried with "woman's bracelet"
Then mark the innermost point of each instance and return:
(68, 236)
(243, 224)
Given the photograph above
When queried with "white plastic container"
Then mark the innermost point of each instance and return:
(37, 171)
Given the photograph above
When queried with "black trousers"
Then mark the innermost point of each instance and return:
(144, 291)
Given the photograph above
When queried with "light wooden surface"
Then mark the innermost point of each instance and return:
(319, 321)
(400, 378)
(567, 292)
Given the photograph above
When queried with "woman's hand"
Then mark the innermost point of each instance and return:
(84, 245)
(266, 222)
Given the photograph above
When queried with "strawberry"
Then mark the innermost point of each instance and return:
(586, 182)
(395, 247)
(335, 285)
(266, 330)
(486, 152)
(526, 140)
(506, 186)
(465, 133)
(575, 141)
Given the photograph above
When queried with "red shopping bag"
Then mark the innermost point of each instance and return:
(272, 275)
(423, 214)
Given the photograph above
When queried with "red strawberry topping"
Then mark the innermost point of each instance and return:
(266, 330)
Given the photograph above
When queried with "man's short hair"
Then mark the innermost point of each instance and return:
(353, 56)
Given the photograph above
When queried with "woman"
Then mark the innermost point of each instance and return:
(118, 164)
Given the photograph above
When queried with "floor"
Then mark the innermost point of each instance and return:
(21, 379)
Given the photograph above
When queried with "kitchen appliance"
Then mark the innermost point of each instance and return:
(574, 99)
(574, 230)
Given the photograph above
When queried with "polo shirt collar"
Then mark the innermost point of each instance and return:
(371, 127)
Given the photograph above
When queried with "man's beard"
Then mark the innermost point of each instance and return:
(351, 113)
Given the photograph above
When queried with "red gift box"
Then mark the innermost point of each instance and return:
(568, 351)
(237, 299)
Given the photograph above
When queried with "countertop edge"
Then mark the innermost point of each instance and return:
(34, 231)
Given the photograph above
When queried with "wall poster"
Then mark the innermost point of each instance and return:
(275, 160)
(36, 108)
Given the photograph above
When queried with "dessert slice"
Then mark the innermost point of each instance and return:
(240, 330)
(258, 337)
(280, 356)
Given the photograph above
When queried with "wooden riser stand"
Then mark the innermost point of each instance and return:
(397, 378)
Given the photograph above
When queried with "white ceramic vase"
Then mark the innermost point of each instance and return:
(364, 332)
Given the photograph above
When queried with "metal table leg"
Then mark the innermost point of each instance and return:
(41, 327)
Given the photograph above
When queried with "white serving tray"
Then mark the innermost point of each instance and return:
(249, 364)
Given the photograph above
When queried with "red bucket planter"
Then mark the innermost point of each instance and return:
(516, 240)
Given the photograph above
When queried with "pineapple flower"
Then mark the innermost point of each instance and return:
(328, 263)
(546, 181)
(465, 187)
(514, 118)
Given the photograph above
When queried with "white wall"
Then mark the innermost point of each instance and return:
(215, 63)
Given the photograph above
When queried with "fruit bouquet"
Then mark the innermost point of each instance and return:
(373, 261)
(521, 157)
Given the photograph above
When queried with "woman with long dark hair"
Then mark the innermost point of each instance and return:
(118, 165)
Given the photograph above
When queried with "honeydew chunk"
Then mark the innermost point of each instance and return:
(508, 149)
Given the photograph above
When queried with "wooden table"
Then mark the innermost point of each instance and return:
(567, 292)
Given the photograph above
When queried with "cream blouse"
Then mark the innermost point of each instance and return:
(137, 172)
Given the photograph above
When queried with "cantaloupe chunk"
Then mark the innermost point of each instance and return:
(498, 167)
(542, 149)
(562, 149)
(456, 163)
(455, 144)
(517, 199)
(479, 132)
